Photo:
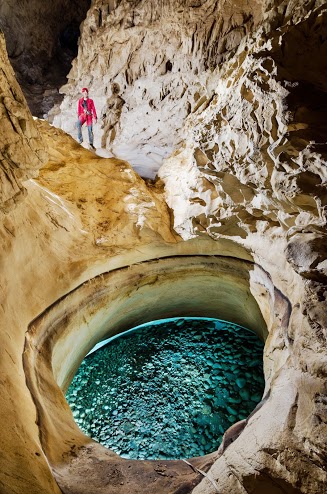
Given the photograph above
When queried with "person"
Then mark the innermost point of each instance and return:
(86, 113)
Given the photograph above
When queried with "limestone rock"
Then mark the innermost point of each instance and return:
(307, 253)
(159, 54)
(222, 92)
(253, 167)
(115, 205)
(259, 158)
(22, 151)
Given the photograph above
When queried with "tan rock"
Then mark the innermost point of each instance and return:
(21, 149)
(239, 213)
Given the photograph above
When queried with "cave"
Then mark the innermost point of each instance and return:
(42, 41)
(204, 197)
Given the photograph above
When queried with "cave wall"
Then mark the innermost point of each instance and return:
(246, 179)
(22, 151)
(254, 167)
(159, 54)
(257, 155)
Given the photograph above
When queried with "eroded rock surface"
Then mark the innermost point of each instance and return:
(159, 55)
(254, 168)
(242, 113)
(22, 151)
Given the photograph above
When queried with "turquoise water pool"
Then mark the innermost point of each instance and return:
(168, 389)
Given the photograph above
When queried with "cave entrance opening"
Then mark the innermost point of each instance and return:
(168, 389)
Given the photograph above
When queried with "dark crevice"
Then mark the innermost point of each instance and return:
(42, 42)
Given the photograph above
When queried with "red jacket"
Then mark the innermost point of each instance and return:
(90, 109)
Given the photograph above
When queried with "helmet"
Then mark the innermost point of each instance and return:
(85, 89)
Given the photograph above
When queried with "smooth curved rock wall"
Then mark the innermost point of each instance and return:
(246, 179)
(58, 340)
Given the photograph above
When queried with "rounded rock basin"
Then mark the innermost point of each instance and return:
(168, 389)
(112, 303)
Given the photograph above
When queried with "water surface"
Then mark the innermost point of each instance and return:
(169, 389)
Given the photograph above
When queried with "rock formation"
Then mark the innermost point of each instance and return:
(226, 103)
(160, 56)
(22, 151)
